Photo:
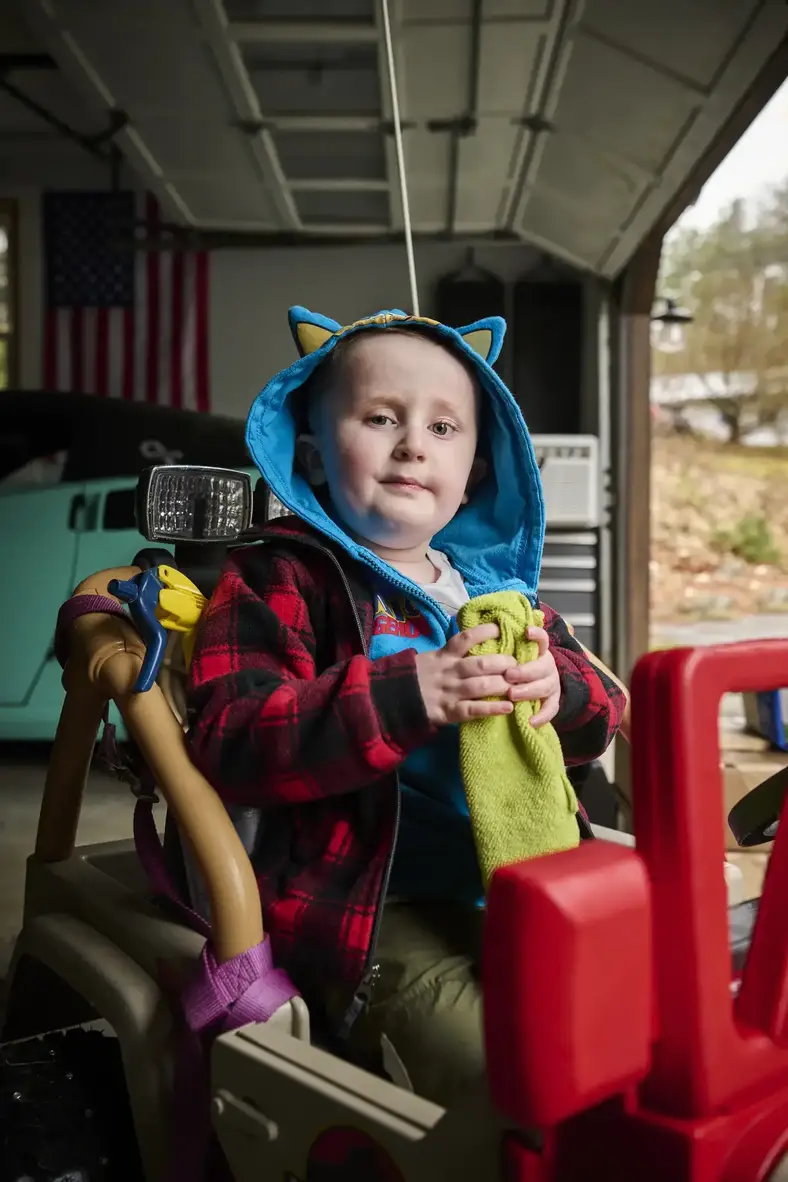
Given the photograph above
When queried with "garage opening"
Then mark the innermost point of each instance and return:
(719, 393)
(719, 402)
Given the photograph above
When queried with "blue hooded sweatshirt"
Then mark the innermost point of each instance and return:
(494, 542)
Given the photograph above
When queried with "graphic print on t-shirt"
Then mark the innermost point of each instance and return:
(399, 617)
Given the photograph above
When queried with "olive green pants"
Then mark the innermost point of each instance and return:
(427, 999)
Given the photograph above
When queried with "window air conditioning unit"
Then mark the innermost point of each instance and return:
(569, 465)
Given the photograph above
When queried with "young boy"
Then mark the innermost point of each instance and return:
(328, 676)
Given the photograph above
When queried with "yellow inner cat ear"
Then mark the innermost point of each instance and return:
(312, 336)
(480, 340)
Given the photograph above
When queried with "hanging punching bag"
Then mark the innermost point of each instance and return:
(469, 294)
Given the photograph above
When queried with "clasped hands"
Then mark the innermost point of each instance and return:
(457, 687)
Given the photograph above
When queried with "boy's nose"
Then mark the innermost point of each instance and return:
(410, 447)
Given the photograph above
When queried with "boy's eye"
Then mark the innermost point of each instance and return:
(442, 428)
(380, 420)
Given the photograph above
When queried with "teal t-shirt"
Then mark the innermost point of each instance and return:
(435, 857)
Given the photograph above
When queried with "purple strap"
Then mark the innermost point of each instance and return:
(81, 605)
(217, 999)
(151, 856)
(220, 997)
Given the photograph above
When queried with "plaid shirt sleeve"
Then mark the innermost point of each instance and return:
(269, 728)
(592, 706)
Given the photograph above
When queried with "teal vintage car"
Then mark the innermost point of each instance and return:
(68, 473)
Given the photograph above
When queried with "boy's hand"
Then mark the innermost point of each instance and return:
(537, 681)
(454, 686)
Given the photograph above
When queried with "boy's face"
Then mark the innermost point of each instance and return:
(397, 437)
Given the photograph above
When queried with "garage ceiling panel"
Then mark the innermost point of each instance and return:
(429, 206)
(428, 162)
(302, 78)
(477, 208)
(432, 63)
(635, 111)
(688, 39)
(555, 218)
(178, 70)
(583, 172)
(331, 155)
(361, 208)
(511, 57)
(485, 158)
(427, 156)
(182, 143)
(216, 200)
(449, 11)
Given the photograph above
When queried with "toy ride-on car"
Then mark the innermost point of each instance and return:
(622, 1035)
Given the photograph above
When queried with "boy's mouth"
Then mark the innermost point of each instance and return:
(404, 483)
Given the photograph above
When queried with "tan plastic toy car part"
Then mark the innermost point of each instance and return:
(93, 942)
(107, 654)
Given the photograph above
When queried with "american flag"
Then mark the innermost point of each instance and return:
(122, 323)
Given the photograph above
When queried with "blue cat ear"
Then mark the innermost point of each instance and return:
(485, 337)
(310, 330)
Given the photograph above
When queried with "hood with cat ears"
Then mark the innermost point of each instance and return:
(311, 331)
(496, 540)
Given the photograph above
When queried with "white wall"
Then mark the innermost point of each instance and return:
(251, 291)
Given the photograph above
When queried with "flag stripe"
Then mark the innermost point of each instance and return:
(128, 354)
(144, 336)
(101, 384)
(63, 345)
(152, 392)
(77, 324)
(89, 350)
(140, 321)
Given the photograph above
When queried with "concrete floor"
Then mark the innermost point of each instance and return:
(106, 816)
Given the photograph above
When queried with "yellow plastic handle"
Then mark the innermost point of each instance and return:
(180, 606)
(180, 603)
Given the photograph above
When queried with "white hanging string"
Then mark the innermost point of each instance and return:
(403, 185)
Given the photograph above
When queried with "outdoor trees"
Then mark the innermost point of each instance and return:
(733, 278)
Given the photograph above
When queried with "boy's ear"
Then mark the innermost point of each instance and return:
(478, 473)
(308, 457)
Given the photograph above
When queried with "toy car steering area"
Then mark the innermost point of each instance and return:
(159, 600)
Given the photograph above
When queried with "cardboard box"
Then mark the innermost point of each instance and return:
(753, 870)
(735, 740)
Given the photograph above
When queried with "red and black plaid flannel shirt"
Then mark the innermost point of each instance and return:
(289, 715)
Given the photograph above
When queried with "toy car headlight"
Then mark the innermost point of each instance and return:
(190, 503)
